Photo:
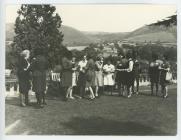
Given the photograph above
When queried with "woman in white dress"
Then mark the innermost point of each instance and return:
(109, 81)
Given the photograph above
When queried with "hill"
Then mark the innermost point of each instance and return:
(72, 37)
(106, 36)
(153, 34)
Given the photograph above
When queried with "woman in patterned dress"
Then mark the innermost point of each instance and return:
(98, 74)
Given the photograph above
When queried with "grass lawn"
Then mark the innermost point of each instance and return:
(109, 115)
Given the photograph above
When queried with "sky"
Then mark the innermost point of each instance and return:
(105, 17)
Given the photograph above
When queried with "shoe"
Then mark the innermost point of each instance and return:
(129, 96)
(27, 104)
(92, 97)
(23, 104)
(96, 95)
(72, 98)
(166, 96)
(44, 103)
(79, 97)
(41, 106)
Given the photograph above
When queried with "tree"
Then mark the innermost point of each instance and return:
(38, 26)
(91, 51)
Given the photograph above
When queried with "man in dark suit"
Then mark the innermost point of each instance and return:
(39, 67)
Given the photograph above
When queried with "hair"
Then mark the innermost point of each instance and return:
(68, 54)
(129, 54)
(82, 56)
(90, 56)
(98, 57)
(154, 56)
(24, 53)
(165, 56)
(135, 54)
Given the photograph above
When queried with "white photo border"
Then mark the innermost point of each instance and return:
(3, 4)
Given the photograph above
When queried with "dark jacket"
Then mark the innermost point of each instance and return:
(38, 67)
(23, 75)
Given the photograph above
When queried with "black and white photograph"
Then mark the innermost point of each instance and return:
(91, 69)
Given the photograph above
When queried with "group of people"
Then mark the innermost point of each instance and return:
(32, 76)
(89, 75)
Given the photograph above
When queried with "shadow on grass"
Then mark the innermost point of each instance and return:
(101, 126)
(16, 102)
(13, 101)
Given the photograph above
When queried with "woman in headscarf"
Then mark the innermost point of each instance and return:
(23, 74)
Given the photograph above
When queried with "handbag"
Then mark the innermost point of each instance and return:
(168, 76)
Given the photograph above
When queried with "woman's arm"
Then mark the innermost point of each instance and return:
(113, 69)
(130, 68)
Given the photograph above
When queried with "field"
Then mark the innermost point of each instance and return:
(108, 115)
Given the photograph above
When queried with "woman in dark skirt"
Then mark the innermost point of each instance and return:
(129, 73)
(136, 71)
(121, 74)
(164, 68)
(23, 74)
(82, 76)
(39, 67)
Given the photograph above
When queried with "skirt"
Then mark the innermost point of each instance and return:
(109, 79)
(90, 78)
(81, 79)
(129, 80)
(39, 83)
(74, 79)
(24, 85)
(99, 78)
(66, 78)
